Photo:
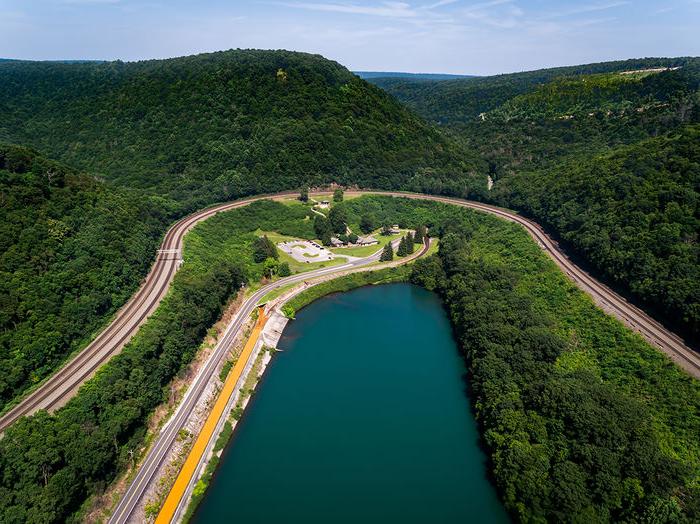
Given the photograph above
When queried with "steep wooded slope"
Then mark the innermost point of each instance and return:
(216, 126)
(605, 155)
(72, 250)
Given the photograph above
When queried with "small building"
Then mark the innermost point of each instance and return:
(395, 229)
(336, 242)
(366, 241)
(324, 204)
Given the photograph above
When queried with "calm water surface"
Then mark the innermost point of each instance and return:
(363, 418)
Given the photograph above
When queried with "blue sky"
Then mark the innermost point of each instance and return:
(449, 36)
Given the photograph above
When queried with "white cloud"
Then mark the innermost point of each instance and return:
(590, 8)
(507, 15)
(385, 9)
(593, 21)
(486, 5)
(440, 3)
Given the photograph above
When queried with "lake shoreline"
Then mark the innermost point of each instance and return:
(233, 446)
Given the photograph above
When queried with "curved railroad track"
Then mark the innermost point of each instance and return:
(55, 391)
(607, 299)
(62, 385)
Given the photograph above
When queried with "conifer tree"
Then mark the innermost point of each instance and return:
(387, 253)
(419, 235)
(325, 238)
(264, 248)
(402, 251)
(409, 244)
(367, 224)
(322, 226)
(338, 219)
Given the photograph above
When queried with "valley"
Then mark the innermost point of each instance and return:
(153, 211)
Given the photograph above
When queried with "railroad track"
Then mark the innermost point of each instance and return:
(60, 387)
(604, 297)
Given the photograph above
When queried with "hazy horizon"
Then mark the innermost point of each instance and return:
(465, 74)
(429, 36)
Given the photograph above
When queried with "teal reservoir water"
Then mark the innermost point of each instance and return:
(362, 418)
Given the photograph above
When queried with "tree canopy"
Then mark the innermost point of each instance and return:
(213, 127)
(604, 155)
(72, 251)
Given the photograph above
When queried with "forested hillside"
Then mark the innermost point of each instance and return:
(455, 102)
(72, 250)
(51, 463)
(216, 126)
(633, 213)
(604, 155)
(583, 420)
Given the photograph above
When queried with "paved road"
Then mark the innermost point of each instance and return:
(60, 387)
(168, 434)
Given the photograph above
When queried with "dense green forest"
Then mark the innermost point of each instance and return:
(50, 464)
(72, 250)
(583, 420)
(455, 102)
(605, 156)
(580, 416)
(633, 213)
(217, 126)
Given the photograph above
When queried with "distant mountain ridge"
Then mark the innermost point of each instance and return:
(368, 75)
(456, 101)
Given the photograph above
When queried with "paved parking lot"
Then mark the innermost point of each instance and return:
(306, 251)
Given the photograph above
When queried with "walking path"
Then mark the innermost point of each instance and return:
(197, 454)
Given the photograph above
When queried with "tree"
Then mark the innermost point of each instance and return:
(386, 230)
(269, 267)
(338, 195)
(283, 270)
(353, 238)
(304, 194)
(338, 219)
(402, 251)
(367, 224)
(387, 253)
(322, 227)
(326, 238)
(428, 273)
(264, 248)
(419, 235)
(409, 244)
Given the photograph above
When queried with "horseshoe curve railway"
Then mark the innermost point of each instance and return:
(62, 385)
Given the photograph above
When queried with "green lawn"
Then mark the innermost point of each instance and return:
(277, 292)
(366, 251)
(294, 265)
(433, 249)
